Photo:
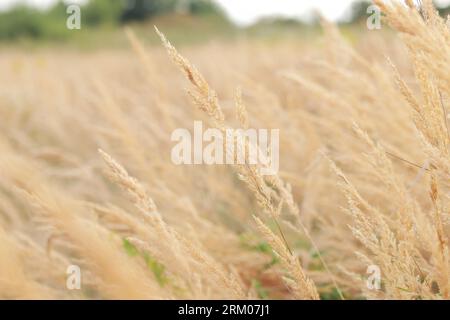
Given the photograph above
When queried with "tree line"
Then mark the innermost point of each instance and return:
(25, 21)
(22, 21)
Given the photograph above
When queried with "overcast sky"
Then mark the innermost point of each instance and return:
(248, 11)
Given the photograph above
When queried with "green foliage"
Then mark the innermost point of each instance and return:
(98, 12)
(261, 291)
(331, 294)
(157, 268)
(144, 9)
(26, 22)
(444, 11)
(130, 249)
(358, 10)
(262, 247)
(203, 7)
(22, 21)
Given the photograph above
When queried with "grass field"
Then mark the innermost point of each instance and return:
(86, 176)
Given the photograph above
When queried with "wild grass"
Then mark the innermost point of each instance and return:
(364, 172)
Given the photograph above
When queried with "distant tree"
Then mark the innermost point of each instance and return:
(358, 10)
(144, 9)
(444, 11)
(202, 7)
(97, 12)
(25, 22)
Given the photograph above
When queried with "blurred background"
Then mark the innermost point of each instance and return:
(66, 93)
(43, 22)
